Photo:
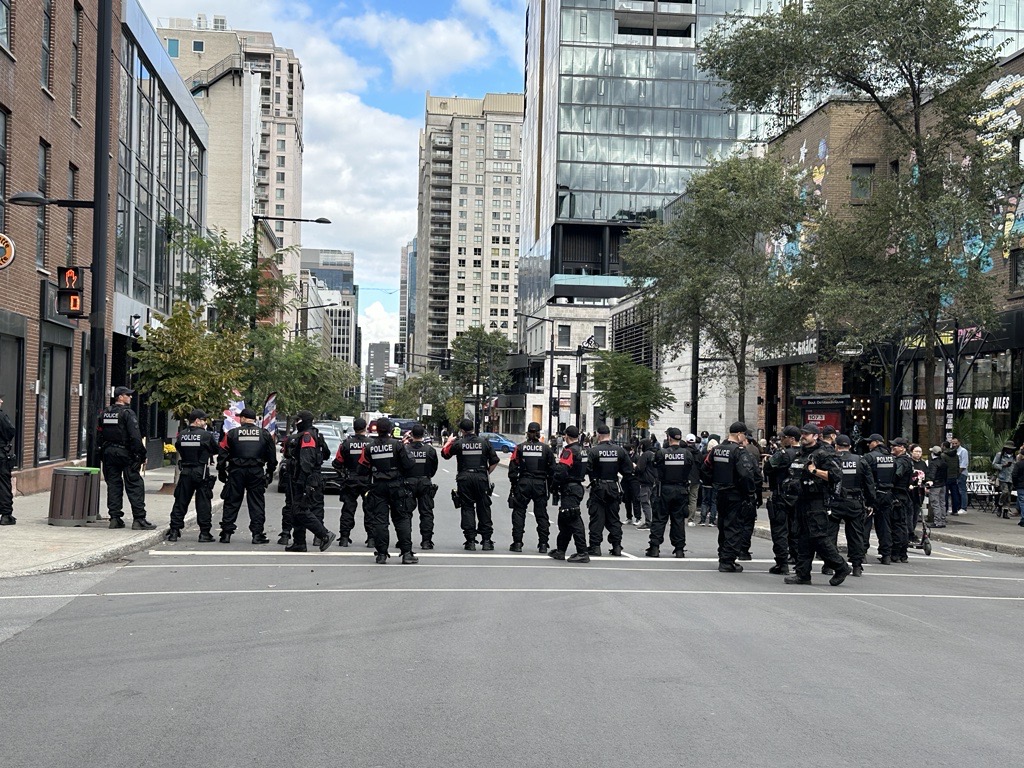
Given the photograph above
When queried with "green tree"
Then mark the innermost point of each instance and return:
(422, 388)
(492, 350)
(628, 390)
(924, 242)
(185, 366)
(709, 266)
(454, 410)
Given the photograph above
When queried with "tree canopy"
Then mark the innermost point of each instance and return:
(492, 349)
(627, 390)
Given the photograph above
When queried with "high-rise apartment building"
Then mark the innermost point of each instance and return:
(468, 231)
(378, 359)
(336, 268)
(250, 90)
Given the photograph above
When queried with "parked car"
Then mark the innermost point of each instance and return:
(498, 442)
(326, 428)
(332, 482)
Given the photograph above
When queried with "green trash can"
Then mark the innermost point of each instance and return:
(70, 496)
(93, 512)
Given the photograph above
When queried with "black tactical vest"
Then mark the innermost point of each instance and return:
(471, 457)
(196, 446)
(111, 431)
(245, 449)
(606, 461)
(572, 466)
(350, 450)
(530, 456)
(850, 464)
(418, 454)
(677, 463)
(885, 468)
(721, 465)
(383, 455)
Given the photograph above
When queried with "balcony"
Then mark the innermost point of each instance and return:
(441, 157)
(443, 194)
(440, 140)
(441, 181)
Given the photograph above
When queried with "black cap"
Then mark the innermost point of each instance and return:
(384, 426)
(533, 426)
(791, 431)
(573, 432)
(305, 418)
(704, 433)
(674, 433)
(196, 413)
(810, 429)
(900, 441)
(603, 430)
(118, 391)
(359, 424)
(843, 440)
(875, 438)
(466, 425)
(418, 430)
(249, 413)
(738, 428)
(828, 429)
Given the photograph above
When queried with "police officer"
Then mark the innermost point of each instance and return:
(7, 460)
(781, 503)
(123, 452)
(531, 470)
(197, 448)
(288, 508)
(307, 450)
(355, 482)
(420, 482)
(476, 459)
(903, 504)
(883, 468)
(606, 462)
(389, 465)
(817, 471)
(245, 451)
(849, 506)
(730, 469)
(570, 470)
(673, 464)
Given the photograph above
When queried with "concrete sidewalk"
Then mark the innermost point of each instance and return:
(32, 546)
(976, 529)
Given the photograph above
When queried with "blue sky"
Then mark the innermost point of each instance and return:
(367, 68)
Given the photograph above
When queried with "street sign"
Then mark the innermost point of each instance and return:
(6, 251)
(427, 409)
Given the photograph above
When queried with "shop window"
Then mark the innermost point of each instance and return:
(1017, 270)
(861, 181)
(52, 404)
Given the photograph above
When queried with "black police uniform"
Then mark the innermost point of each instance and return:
(903, 506)
(883, 470)
(732, 471)
(530, 471)
(123, 452)
(475, 458)
(389, 465)
(421, 484)
(782, 508)
(569, 472)
(355, 482)
(244, 452)
(307, 450)
(816, 527)
(197, 448)
(673, 464)
(606, 461)
(7, 460)
(857, 490)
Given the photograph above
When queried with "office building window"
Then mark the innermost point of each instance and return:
(46, 56)
(282, 129)
(564, 335)
(280, 161)
(279, 194)
(280, 145)
(198, 46)
(173, 47)
(76, 61)
(599, 336)
(280, 177)
(279, 210)
(43, 159)
(5, 23)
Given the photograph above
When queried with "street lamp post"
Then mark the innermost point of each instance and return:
(305, 310)
(551, 377)
(256, 219)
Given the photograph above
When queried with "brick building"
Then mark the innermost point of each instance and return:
(47, 108)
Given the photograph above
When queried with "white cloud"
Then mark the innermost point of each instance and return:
(421, 54)
(378, 325)
(506, 20)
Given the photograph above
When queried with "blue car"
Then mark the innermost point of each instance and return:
(498, 442)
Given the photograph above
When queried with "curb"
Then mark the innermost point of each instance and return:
(763, 532)
(113, 552)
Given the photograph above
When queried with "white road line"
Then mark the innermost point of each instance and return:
(629, 556)
(431, 555)
(516, 590)
(590, 567)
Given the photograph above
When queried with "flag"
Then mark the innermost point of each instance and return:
(231, 412)
(270, 413)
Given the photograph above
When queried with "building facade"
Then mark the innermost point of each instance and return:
(468, 219)
(47, 124)
(407, 303)
(335, 268)
(378, 359)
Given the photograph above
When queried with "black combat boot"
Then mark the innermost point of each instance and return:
(8, 520)
(556, 554)
(616, 550)
(408, 558)
(653, 551)
(594, 551)
(797, 579)
(381, 558)
(517, 546)
(678, 552)
(470, 545)
(730, 568)
(426, 544)
(260, 538)
(858, 570)
(173, 534)
(205, 537)
(283, 539)
(840, 576)
(779, 569)
(542, 547)
(487, 545)
(296, 547)
(116, 522)
(579, 557)
(225, 537)
(142, 524)
(327, 540)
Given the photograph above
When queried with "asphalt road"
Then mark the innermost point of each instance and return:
(246, 656)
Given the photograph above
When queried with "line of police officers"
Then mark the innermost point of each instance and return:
(817, 486)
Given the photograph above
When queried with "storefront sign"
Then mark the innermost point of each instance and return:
(965, 403)
(823, 401)
(788, 354)
(6, 251)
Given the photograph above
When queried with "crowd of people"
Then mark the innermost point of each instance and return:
(816, 485)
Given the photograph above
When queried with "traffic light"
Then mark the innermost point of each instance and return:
(446, 361)
(69, 292)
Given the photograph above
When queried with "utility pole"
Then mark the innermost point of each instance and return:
(476, 389)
